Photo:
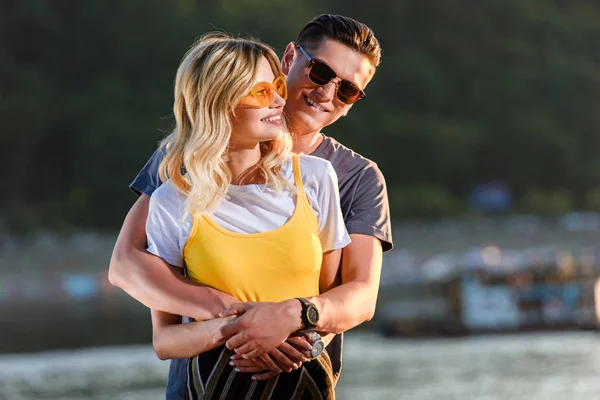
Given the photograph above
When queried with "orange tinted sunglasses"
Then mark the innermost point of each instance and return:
(262, 94)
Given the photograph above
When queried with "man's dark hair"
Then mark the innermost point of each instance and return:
(348, 31)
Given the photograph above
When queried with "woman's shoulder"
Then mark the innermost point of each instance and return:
(167, 194)
(314, 166)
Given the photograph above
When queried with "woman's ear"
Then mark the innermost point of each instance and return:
(288, 58)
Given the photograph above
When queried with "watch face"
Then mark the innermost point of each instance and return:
(317, 348)
(312, 315)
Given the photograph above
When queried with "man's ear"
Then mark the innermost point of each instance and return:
(347, 110)
(288, 58)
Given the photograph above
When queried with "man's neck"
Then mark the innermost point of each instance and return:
(307, 143)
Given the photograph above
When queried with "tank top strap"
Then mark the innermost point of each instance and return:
(298, 177)
(306, 208)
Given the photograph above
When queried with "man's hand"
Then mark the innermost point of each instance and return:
(261, 327)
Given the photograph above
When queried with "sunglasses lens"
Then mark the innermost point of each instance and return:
(264, 94)
(348, 93)
(281, 87)
(320, 73)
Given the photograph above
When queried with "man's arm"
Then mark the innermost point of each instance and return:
(368, 222)
(353, 302)
(161, 287)
(152, 281)
(347, 305)
(264, 325)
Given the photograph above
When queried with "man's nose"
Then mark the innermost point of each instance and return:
(327, 91)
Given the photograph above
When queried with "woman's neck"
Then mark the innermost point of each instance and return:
(241, 163)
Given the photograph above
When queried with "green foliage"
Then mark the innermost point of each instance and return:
(424, 201)
(468, 92)
(592, 199)
(546, 202)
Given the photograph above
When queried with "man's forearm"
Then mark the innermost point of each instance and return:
(353, 302)
(154, 283)
(345, 307)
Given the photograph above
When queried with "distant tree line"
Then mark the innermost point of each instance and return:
(468, 92)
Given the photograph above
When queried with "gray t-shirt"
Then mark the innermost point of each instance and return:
(365, 208)
(363, 193)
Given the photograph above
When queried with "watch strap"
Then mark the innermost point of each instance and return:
(308, 324)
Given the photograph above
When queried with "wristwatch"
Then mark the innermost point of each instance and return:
(316, 342)
(310, 314)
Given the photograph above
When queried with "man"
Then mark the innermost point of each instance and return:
(327, 67)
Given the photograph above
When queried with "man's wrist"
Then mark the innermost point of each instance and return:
(293, 312)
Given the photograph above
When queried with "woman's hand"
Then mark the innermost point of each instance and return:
(287, 357)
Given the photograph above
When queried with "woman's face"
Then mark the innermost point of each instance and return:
(252, 125)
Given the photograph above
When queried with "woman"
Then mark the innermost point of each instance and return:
(246, 217)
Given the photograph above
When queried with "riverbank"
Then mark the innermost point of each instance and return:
(557, 366)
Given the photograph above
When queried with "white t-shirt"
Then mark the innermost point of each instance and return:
(249, 209)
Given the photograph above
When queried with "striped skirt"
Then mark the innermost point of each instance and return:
(209, 376)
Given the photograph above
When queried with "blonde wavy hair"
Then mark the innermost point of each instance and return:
(214, 75)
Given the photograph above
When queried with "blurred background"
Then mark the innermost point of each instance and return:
(483, 116)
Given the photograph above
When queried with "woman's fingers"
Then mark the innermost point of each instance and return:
(247, 352)
(290, 351)
(283, 362)
(254, 365)
(301, 343)
(269, 363)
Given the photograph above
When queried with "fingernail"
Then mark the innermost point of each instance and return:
(231, 363)
(237, 370)
(310, 347)
(232, 357)
(295, 366)
(253, 377)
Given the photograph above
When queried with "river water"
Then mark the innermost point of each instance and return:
(547, 366)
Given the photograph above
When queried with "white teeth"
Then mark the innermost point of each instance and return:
(312, 103)
(273, 119)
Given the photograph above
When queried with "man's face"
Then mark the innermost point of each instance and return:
(311, 107)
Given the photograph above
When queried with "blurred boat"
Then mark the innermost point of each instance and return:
(557, 290)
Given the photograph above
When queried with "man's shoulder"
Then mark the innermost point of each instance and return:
(344, 159)
(314, 164)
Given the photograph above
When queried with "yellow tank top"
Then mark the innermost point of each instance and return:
(275, 265)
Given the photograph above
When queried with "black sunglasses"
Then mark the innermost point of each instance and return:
(321, 74)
